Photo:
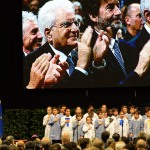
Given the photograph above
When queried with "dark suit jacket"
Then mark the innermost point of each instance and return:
(112, 74)
(76, 80)
(133, 79)
(128, 36)
(140, 39)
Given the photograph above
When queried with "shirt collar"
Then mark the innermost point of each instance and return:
(147, 28)
(112, 41)
(62, 57)
(25, 54)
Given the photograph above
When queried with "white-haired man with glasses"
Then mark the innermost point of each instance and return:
(60, 31)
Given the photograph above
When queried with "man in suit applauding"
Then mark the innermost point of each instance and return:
(141, 75)
(121, 59)
(60, 31)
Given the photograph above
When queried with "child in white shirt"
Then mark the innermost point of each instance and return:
(88, 129)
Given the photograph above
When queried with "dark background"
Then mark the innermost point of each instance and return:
(11, 82)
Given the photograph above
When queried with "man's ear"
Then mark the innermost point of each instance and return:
(48, 34)
(94, 18)
(127, 20)
(147, 15)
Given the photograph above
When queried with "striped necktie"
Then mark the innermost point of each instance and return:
(71, 64)
(118, 56)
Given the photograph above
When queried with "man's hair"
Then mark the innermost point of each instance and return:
(144, 5)
(130, 146)
(4, 147)
(29, 145)
(92, 148)
(70, 145)
(119, 145)
(109, 141)
(20, 143)
(84, 142)
(141, 143)
(91, 7)
(98, 143)
(142, 135)
(105, 135)
(128, 12)
(48, 13)
(55, 146)
(6, 142)
(10, 138)
(116, 137)
(26, 17)
(125, 139)
(45, 143)
(65, 138)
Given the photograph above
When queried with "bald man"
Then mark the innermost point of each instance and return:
(141, 144)
(45, 142)
(65, 138)
(133, 21)
(20, 143)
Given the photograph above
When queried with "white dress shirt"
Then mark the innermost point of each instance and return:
(63, 57)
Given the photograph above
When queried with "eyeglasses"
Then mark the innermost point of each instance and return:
(67, 24)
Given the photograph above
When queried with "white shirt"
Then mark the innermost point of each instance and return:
(147, 28)
(63, 57)
(25, 54)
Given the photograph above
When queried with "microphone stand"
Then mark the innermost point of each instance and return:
(122, 128)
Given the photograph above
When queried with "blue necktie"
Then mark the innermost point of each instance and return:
(119, 58)
(121, 122)
(71, 64)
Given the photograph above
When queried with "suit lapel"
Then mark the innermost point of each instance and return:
(31, 57)
(142, 39)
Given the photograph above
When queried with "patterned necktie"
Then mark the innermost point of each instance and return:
(118, 56)
(71, 64)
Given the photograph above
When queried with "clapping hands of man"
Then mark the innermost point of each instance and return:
(45, 72)
(101, 46)
(99, 50)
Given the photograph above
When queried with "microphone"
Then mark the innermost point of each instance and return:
(121, 122)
